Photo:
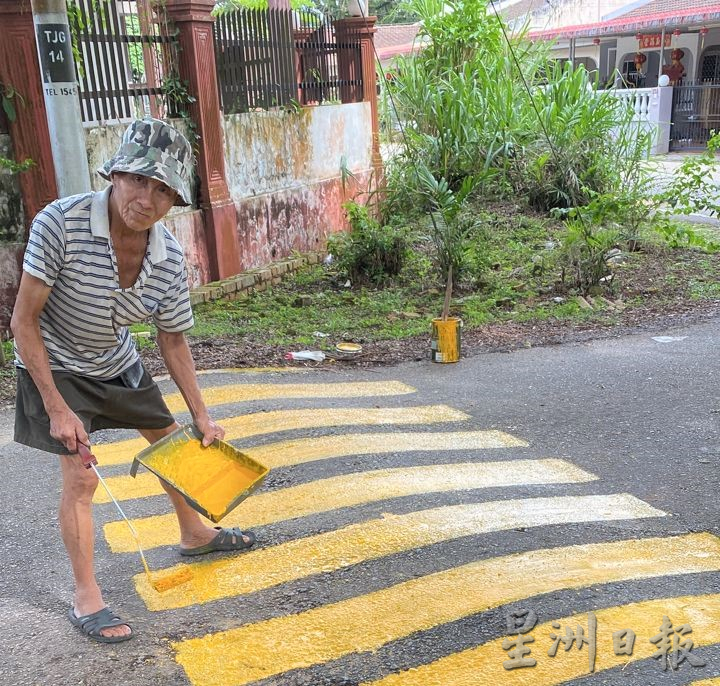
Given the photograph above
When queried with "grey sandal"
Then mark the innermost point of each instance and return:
(91, 625)
(226, 539)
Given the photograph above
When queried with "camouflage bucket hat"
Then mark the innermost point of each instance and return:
(153, 148)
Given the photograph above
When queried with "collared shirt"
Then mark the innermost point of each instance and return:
(84, 321)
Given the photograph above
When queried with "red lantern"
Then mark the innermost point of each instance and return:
(704, 30)
(677, 54)
(676, 33)
(641, 58)
(596, 41)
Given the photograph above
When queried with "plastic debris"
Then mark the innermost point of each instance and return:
(314, 355)
(320, 334)
(668, 339)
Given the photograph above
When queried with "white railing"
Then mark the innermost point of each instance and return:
(638, 99)
(653, 111)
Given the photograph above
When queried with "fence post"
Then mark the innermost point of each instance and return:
(661, 116)
(197, 66)
(19, 69)
(353, 66)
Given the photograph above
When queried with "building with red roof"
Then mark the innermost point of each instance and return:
(637, 45)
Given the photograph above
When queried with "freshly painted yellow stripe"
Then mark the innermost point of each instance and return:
(235, 393)
(260, 423)
(254, 370)
(301, 450)
(706, 682)
(354, 489)
(263, 568)
(644, 618)
(242, 370)
(365, 623)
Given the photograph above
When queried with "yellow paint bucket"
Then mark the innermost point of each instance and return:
(445, 340)
(213, 480)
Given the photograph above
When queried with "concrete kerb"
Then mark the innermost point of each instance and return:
(253, 280)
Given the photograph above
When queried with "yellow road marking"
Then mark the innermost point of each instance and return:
(367, 622)
(234, 393)
(644, 618)
(264, 568)
(297, 451)
(241, 370)
(260, 423)
(254, 370)
(706, 682)
(354, 489)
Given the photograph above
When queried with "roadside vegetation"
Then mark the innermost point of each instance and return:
(515, 175)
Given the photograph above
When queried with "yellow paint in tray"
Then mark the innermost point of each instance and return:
(213, 479)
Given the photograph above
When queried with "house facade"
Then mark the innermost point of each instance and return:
(636, 45)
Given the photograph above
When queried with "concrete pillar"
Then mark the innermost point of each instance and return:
(352, 66)
(197, 66)
(660, 115)
(60, 89)
(19, 68)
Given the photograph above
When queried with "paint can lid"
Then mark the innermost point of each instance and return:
(348, 348)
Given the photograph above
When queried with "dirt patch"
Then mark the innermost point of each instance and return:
(664, 291)
(497, 337)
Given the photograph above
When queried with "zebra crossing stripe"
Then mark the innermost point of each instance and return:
(263, 568)
(355, 489)
(367, 622)
(234, 393)
(260, 423)
(297, 451)
(645, 618)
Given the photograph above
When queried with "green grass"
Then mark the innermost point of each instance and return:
(277, 318)
(704, 290)
(514, 276)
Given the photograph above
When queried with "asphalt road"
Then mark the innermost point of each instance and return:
(409, 515)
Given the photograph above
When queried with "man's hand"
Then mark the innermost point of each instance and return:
(178, 359)
(66, 427)
(210, 430)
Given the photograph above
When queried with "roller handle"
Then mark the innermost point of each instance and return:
(88, 459)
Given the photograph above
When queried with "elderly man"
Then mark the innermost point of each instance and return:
(94, 264)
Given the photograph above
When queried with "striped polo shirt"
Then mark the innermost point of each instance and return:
(84, 321)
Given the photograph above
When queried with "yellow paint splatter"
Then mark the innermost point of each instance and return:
(355, 489)
(367, 622)
(261, 423)
(263, 568)
(235, 393)
(484, 665)
(297, 451)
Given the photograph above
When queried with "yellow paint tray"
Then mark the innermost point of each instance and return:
(213, 480)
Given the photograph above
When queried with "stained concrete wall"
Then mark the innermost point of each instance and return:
(290, 172)
(285, 175)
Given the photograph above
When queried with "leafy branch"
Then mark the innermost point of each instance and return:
(8, 95)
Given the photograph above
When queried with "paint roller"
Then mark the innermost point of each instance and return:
(160, 585)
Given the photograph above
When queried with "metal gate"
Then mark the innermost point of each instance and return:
(695, 113)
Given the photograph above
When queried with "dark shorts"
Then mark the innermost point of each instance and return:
(99, 405)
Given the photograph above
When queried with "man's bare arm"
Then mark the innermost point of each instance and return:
(25, 324)
(178, 359)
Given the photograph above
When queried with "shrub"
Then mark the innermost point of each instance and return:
(369, 252)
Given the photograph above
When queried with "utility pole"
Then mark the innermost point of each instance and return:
(60, 89)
